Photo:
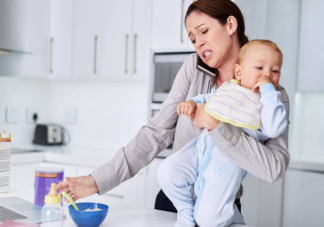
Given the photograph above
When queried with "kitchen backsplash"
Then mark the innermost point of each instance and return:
(107, 114)
(22, 93)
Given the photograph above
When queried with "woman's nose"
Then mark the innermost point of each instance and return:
(200, 43)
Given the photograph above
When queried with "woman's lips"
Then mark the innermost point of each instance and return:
(209, 56)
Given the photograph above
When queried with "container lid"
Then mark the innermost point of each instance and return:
(49, 170)
(53, 197)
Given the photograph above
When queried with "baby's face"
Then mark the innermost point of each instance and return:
(260, 62)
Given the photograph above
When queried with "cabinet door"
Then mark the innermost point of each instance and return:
(60, 40)
(168, 28)
(22, 176)
(311, 45)
(36, 38)
(87, 36)
(117, 39)
(303, 199)
(141, 39)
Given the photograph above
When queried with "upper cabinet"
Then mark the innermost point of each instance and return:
(117, 39)
(100, 39)
(311, 45)
(24, 37)
(168, 28)
(61, 39)
(87, 38)
(126, 43)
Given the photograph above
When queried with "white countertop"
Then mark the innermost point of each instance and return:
(95, 157)
(73, 155)
(118, 215)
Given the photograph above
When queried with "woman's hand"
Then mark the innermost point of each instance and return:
(79, 187)
(204, 120)
(188, 108)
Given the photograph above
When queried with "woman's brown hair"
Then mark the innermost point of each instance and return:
(221, 10)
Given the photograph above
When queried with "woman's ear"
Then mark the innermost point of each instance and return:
(231, 25)
(238, 72)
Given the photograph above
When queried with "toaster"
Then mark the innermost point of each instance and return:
(49, 134)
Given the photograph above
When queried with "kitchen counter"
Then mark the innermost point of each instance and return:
(119, 215)
(95, 157)
(73, 155)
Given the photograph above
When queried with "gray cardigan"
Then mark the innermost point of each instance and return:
(268, 162)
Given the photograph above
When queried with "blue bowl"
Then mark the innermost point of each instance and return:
(88, 218)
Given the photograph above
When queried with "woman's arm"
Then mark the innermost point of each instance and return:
(151, 139)
(268, 162)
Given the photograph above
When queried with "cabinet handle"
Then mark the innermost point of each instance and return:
(95, 54)
(51, 56)
(181, 23)
(126, 53)
(135, 41)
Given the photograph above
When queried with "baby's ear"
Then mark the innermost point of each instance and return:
(238, 72)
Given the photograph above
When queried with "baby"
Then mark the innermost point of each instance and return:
(215, 177)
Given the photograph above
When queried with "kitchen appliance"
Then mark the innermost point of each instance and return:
(50, 134)
(165, 68)
(166, 65)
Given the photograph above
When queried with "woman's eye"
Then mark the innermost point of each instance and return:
(204, 32)
(259, 68)
(193, 41)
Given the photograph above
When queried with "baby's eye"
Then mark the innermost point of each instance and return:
(275, 71)
(193, 41)
(259, 68)
(204, 32)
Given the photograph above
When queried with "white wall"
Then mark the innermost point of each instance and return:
(22, 93)
(108, 114)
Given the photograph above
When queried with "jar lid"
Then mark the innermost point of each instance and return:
(49, 170)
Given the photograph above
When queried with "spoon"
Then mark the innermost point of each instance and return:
(70, 199)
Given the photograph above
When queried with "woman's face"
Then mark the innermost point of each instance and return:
(211, 40)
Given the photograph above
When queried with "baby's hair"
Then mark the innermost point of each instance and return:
(258, 41)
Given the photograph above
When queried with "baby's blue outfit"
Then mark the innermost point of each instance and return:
(215, 177)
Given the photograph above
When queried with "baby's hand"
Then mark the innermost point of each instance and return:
(259, 83)
(188, 108)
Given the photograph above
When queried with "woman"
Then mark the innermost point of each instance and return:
(216, 29)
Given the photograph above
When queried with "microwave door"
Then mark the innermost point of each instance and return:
(166, 67)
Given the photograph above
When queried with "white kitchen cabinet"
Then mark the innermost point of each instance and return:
(130, 192)
(140, 63)
(311, 45)
(22, 176)
(152, 185)
(24, 30)
(61, 39)
(303, 199)
(125, 46)
(36, 38)
(262, 202)
(87, 37)
(118, 37)
(152, 189)
(168, 28)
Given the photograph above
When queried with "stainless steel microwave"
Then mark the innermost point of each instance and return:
(165, 68)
